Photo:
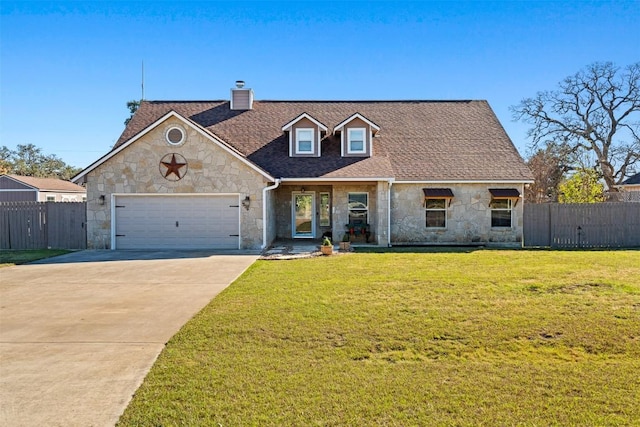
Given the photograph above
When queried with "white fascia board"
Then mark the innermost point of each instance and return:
(9, 190)
(173, 194)
(283, 180)
(55, 190)
(357, 116)
(222, 144)
(300, 117)
(480, 181)
(209, 135)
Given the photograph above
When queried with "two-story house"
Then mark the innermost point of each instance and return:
(241, 173)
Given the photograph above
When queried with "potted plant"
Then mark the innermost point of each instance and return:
(345, 244)
(327, 246)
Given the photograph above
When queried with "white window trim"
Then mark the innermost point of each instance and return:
(297, 148)
(364, 140)
(314, 220)
(323, 193)
(509, 209)
(445, 210)
(183, 135)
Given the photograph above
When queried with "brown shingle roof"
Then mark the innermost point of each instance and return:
(417, 141)
(49, 184)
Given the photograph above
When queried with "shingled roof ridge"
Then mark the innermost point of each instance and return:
(183, 101)
(365, 101)
(319, 101)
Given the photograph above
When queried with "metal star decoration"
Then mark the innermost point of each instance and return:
(173, 166)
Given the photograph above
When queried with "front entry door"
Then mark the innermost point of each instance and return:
(303, 218)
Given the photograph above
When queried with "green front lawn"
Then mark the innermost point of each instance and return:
(11, 257)
(467, 338)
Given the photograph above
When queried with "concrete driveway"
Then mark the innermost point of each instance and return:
(79, 332)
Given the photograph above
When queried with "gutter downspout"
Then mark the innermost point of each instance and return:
(389, 214)
(264, 211)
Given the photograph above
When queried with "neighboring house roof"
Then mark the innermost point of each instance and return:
(632, 180)
(48, 184)
(417, 140)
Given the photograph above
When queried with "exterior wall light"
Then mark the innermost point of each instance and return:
(246, 203)
(101, 199)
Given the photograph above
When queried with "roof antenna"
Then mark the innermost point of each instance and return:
(141, 99)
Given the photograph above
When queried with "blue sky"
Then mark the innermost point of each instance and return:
(67, 69)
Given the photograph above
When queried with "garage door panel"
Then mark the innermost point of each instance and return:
(179, 222)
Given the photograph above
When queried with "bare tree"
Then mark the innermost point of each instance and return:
(597, 111)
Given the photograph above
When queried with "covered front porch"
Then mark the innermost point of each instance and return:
(353, 211)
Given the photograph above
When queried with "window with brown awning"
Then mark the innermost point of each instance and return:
(505, 193)
(438, 193)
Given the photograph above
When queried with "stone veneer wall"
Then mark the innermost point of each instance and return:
(271, 198)
(136, 170)
(468, 217)
(339, 209)
(382, 234)
(282, 208)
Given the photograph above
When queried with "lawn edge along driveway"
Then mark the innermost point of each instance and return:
(79, 332)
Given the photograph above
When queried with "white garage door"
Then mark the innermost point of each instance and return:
(177, 222)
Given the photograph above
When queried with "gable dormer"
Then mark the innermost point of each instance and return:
(356, 135)
(305, 134)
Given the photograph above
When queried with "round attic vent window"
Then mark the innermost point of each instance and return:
(175, 136)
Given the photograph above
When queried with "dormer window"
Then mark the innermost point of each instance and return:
(304, 141)
(305, 134)
(356, 140)
(356, 136)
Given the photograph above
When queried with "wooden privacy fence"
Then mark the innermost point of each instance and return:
(588, 225)
(40, 225)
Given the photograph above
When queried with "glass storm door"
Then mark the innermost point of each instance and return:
(303, 208)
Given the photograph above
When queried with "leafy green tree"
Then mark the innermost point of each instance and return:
(28, 160)
(597, 112)
(133, 106)
(582, 187)
(5, 163)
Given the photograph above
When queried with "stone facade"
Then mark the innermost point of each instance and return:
(214, 170)
(211, 169)
(338, 194)
(468, 216)
(341, 207)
